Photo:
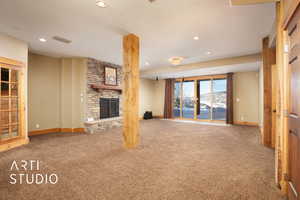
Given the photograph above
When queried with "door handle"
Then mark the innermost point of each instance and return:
(294, 116)
(293, 30)
(295, 133)
(293, 189)
(293, 60)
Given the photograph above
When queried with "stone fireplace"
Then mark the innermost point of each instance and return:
(104, 104)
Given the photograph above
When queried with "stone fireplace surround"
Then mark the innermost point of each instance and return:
(95, 75)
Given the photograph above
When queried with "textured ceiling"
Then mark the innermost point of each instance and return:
(166, 28)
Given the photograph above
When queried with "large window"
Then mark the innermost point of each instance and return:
(202, 98)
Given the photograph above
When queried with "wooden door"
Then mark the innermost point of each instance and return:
(294, 112)
(274, 103)
(294, 131)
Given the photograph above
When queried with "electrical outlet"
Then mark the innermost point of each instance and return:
(37, 126)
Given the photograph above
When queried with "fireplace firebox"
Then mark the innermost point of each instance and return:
(109, 108)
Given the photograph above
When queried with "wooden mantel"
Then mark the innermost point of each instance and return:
(106, 87)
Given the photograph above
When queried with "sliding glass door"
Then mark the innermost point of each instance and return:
(219, 95)
(177, 100)
(202, 98)
(204, 110)
(188, 98)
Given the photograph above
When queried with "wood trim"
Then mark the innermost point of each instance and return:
(78, 130)
(286, 107)
(269, 58)
(250, 2)
(22, 107)
(201, 120)
(274, 103)
(206, 77)
(15, 63)
(45, 131)
(290, 13)
(8, 140)
(56, 130)
(13, 143)
(246, 123)
(66, 130)
(196, 99)
(105, 87)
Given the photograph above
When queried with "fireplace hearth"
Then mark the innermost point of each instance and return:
(109, 108)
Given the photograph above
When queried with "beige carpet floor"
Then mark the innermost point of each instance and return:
(174, 161)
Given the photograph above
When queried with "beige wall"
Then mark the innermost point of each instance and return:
(147, 96)
(246, 97)
(18, 50)
(73, 85)
(56, 89)
(66, 94)
(43, 92)
(159, 102)
(152, 94)
(79, 82)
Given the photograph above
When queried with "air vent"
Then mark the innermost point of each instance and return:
(63, 40)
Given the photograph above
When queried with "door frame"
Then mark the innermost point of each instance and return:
(22, 138)
(274, 92)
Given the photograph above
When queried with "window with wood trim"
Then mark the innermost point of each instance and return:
(205, 98)
(9, 103)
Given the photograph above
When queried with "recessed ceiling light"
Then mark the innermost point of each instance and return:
(176, 60)
(208, 53)
(196, 38)
(43, 40)
(147, 63)
(101, 4)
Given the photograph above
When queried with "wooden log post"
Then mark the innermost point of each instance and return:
(131, 90)
(282, 149)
